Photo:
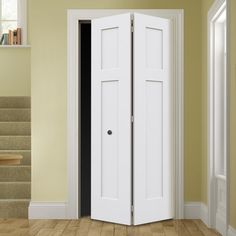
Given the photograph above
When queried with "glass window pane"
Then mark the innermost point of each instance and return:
(8, 25)
(9, 9)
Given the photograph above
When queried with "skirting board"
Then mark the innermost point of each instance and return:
(221, 223)
(47, 210)
(231, 231)
(196, 210)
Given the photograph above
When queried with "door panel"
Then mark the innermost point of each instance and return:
(111, 119)
(152, 120)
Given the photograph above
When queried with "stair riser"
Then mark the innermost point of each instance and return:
(14, 115)
(12, 128)
(14, 209)
(14, 102)
(26, 156)
(15, 143)
(15, 191)
(15, 173)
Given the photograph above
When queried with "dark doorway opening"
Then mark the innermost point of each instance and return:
(85, 86)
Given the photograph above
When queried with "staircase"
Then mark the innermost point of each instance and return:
(15, 137)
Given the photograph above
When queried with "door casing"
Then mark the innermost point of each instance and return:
(73, 96)
(217, 8)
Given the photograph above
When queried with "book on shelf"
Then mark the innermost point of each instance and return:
(18, 37)
(13, 37)
(10, 37)
(4, 39)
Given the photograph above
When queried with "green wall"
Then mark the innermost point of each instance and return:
(48, 33)
(14, 71)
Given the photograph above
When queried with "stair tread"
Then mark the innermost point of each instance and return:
(15, 101)
(17, 108)
(10, 156)
(15, 142)
(18, 166)
(16, 150)
(15, 200)
(15, 121)
(14, 182)
(15, 114)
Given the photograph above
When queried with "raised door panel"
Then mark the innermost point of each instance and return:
(111, 113)
(152, 120)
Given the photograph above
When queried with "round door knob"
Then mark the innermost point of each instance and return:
(109, 132)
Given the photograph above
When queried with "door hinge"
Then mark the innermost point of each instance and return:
(132, 209)
(132, 119)
(132, 26)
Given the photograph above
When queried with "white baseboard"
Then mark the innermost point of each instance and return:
(204, 214)
(196, 210)
(221, 223)
(231, 231)
(47, 210)
(192, 210)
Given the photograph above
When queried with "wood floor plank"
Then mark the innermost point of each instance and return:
(71, 228)
(107, 229)
(20, 232)
(74, 224)
(84, 226)
(157, 229)
(120, 230)
(192, 228)
(87, 227)
(180, 228)
(49, 232)
(42, 224)
(95, 228)
(205, 230)
(132, 231)
(145, 230)
(169, 228)
(61, 225)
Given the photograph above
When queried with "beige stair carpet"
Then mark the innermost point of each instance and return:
(15, 138)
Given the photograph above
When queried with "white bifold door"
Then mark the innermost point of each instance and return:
(131, 120)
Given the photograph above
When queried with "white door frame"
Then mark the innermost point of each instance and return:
(73, 96)
(215, 10)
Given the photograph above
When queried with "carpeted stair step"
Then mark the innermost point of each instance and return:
(25, 153)
(15, 102)
(17, 208)
(14, 115)
(15, 173)
(15, 190)
(15, 142)
(15, 128)
(15, 131)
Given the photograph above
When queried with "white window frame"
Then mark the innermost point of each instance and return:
(21, 19)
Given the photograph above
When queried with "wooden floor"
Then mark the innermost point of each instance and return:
(87, 227)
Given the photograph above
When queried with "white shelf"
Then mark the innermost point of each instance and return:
(15, 46)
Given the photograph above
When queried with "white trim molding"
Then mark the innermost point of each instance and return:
(196, 210)
(22, 19)
(214, 12)
(73, 99)
(47, 210)
(231, 231)
(192, 210)
(204, 214)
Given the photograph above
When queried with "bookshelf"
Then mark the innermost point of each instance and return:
(15, 46)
